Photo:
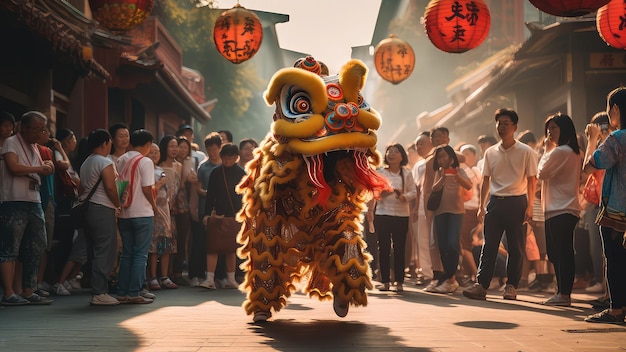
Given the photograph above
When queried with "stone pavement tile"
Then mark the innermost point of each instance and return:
(192, 319)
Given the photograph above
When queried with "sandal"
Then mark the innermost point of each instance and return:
(154, 285)
(167, 283)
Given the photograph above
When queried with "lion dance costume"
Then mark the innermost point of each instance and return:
(306, 189)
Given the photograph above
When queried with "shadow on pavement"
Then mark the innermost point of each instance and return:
(329, 335)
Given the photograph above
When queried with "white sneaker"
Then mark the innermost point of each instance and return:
(73, 283)
(446, 287)
(431, 286)
(221, 283)
(596, 288)
(60, 290)
(103, 300)
(147, 294)
(558, 300)
(208, 284)
(194, 282)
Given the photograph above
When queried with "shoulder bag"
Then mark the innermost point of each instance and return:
(65, 182)
(79, 211)
(434, 200)
(222, 231)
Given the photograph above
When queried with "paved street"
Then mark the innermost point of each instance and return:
(195, 319)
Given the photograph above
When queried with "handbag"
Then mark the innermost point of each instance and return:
(593, 187)
(434, 200)
(467, 194)
(79, 211)
(222, 231)
(222, 234)
(65, 183)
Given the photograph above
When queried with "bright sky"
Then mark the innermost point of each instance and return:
(327, 29)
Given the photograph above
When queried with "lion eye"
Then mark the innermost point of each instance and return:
(300, 104)
(295, 103)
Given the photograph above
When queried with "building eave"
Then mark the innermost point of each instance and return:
(67, 32)
(170, 82)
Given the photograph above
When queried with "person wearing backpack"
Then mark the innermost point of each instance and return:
(136, 219)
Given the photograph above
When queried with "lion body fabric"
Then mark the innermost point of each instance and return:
(302, 215)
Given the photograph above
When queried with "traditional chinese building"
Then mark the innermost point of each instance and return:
(149, 86)
(46, 49)
(57, 60)
(563, 67)
(424, 92)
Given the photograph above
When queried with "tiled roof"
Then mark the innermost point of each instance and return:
(67, 30)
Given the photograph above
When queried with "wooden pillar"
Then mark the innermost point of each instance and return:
(96, 109)
(577, 104)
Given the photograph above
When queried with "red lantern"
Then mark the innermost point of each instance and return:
(238, 34)
(394, 59)
(119, 16)
(568, 8)
(456, 26)
(609, 21)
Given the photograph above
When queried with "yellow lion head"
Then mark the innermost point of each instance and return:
(319, 116)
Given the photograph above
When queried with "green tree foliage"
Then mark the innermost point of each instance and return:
(236, 87)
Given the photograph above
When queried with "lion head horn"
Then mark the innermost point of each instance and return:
(352, 79)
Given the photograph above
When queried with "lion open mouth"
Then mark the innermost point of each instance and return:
(351, 167)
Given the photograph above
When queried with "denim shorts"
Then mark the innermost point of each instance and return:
(21, 221)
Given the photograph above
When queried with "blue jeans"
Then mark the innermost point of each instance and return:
(136, 235)
(448, 227)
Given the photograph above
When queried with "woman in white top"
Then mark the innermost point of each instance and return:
(392, 215)
(100, 231)
(559, 169)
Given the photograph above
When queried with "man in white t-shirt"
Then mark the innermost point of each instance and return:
(137, 220)
(509, 177)
(22, 224)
